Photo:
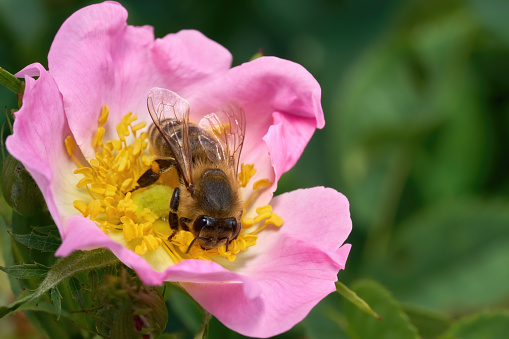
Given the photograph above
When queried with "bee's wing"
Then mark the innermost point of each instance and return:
(227, 128)
(166, 107)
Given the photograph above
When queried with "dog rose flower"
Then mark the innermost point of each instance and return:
(81, 133)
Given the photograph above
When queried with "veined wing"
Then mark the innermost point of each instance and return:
(166, 107)
(227, 127)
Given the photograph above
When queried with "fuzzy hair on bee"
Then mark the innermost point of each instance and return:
(207, 202)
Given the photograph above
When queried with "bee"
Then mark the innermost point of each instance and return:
(207, 200)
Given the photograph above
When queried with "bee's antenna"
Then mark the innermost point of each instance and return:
(227, 242)
(191, 244)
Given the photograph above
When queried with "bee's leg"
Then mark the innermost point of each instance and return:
(173, 217)
(159, 166)
(183, 223)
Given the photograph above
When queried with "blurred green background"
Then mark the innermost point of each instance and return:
(416, 102)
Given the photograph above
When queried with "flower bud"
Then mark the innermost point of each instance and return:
(19, 188)
(130, 309)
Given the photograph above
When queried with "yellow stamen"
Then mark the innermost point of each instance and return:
(104, 116)
(85, 181)
(263, 213)
(142, 215)
(98, 138)
(81, 206)
(275, 220)
(86, 171)
(262, 183)
(122, 131)
(246, 173)
(70, 147)
(258, 186)
(138, 126)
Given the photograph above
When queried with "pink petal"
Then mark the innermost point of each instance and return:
(266, 295)
(292, 282)
(286, 139)
(273, 92)
(315, 206)
(97, 60)
(83, 234)
(295, 266)
(37, 141)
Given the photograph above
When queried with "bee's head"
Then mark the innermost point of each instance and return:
(213, 232)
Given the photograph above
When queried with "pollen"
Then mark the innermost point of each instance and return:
(140, 216)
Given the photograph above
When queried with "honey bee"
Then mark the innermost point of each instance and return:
(207, 201)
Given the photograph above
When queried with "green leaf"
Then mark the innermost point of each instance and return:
(409, 108)
(440, 260)
(43, 243)
(26, 271)
(184, 309)
(430, 323)
(492, 14)
(10, 81)
(43, 306)
(76, 291)
(355, 299)
(484, 325)
(56, 299)
(93, 283)
(50, 230)
(395, 323)
(326, 321)
(64, 268)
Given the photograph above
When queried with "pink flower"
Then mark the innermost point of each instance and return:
(98, 63)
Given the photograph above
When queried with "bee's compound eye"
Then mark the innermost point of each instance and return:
(201, 222)
(231, 223)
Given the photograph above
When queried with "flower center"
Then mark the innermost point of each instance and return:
(141, 216)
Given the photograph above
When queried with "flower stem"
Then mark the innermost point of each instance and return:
(203, 333)
(10, 81)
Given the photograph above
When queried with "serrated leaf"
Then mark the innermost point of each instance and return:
(51, 230)
(43, 306)
(26, 271)
(56, 299)
(93, 282)
(395, 323)
(43, 243)
(64, 268)
(484, 325)
(76, 291)
(355, 299)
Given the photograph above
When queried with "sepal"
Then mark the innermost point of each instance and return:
(19, 188)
